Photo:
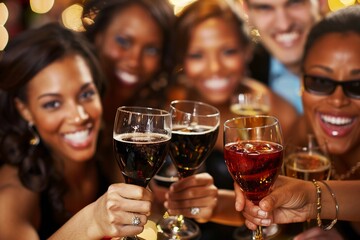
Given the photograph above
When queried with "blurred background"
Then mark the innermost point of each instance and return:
(19, 15)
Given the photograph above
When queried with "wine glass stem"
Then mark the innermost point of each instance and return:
(257, 234)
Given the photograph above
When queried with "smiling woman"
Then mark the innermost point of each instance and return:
(50, 178)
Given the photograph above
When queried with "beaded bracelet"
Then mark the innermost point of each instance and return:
(331, 225)
(318, 206)
(318, 203)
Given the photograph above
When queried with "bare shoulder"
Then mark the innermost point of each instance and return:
(16, 202)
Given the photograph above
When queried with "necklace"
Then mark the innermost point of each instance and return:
(345, 175)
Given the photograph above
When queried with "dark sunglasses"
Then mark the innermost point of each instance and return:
(326, 86)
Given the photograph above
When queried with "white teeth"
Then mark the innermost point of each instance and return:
(77, 137)
(336, 120)
(287, 38)
(216, 83)
(127, 77)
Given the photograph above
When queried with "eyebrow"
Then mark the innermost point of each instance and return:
(83, 87)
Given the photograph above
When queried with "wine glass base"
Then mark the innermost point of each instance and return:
(243, 233)
(168, 227)
(271, 231)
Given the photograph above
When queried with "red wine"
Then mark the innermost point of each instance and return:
(307, 167)
(190, 146)
(254, 165)
(140, 155)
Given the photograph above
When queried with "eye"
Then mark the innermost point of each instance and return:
(296, 2)
(123, 42)
(261, 7)
(51, 105)
(87, 94)
(195, 55)
(152, 51)
(231, 51)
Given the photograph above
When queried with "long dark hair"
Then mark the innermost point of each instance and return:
(24, 57)
(341, 21)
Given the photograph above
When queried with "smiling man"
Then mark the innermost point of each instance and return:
(283, 26)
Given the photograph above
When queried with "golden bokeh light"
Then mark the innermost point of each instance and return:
(4, 14)
(41, 6)
(338, 4)
(71, 17)
(4, 37)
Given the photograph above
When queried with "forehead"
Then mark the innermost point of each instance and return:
(134, 19)
(64, 75)
(214, 29)
(336, 50)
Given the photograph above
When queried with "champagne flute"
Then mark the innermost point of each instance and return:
(253, 153)
(195, 128)
(141, 138)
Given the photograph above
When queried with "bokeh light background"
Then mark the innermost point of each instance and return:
(18, 15)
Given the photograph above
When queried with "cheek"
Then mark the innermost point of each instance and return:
(193, 69)
(151, 67)
(48, 126)
(235, 65)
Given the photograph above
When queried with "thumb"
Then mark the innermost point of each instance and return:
(240, 198)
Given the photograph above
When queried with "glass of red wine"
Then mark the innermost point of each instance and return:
(253, 153)
(195, 128)
(141, 142)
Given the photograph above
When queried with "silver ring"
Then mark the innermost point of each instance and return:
(135, 221)
(194, 211)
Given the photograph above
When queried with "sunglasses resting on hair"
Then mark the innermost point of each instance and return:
(326, 86)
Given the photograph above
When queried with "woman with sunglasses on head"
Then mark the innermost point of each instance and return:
(331, 100)
(52, 185)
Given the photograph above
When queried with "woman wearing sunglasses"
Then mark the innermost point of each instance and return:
(331, 100)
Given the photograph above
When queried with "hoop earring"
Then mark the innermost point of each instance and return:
(35, 140)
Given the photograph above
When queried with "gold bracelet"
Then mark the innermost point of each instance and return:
(318, 202)
(331, 225)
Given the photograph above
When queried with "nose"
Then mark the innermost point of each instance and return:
(338, 98)
(133, 57)
(79, 115)
(214, 65)
(282, 20)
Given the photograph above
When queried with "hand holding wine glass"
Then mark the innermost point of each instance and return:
(253, 153)
(141, 141)
(195, 127)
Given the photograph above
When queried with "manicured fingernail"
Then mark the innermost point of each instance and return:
(265, 222)
(262, 213)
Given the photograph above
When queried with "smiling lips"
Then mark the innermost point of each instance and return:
(79, 138)
(287, 39)
(216, 83)
(336, 126)
(126, 77)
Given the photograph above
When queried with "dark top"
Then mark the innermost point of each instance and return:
(49, 223)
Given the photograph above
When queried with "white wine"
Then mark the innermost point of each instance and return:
(249, 109)
(307, 166)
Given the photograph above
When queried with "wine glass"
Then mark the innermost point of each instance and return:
(253, 153)
(308, 162)
(248, 104)
(195, 128)
(141, 138)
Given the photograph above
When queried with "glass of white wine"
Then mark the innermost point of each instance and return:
(309, 162)
(250, 104)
